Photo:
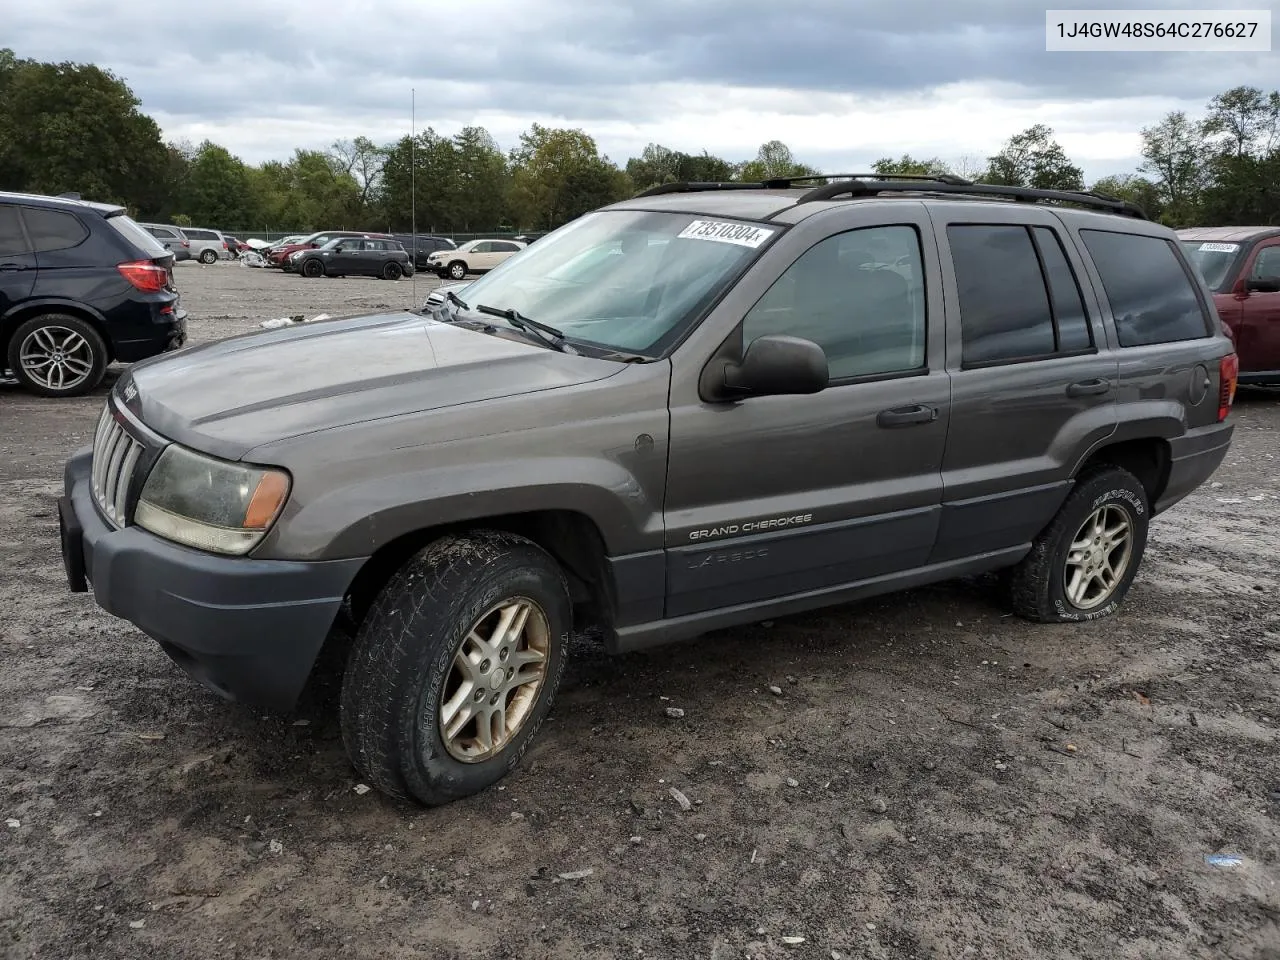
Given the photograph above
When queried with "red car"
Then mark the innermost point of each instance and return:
(1241, 265)
(279, 256)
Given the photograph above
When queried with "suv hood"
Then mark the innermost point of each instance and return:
(227, 397)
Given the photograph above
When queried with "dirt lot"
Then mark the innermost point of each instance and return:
(935, 779)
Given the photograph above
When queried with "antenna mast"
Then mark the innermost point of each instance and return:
(413, 187)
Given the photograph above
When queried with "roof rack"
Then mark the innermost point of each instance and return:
(696, 186)
(903, 184)
(781, 183)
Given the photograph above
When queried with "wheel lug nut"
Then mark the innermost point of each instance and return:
(504, 654)
(494, 701)
(479, 695)
(485, 665)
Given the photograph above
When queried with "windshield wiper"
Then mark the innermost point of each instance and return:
(456, 300)
(552, 337)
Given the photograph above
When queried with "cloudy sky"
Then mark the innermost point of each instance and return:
(842, 82)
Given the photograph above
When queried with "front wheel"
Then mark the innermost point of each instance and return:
(458, 270)
(313, 268)
(455, 666)
(1082, 564)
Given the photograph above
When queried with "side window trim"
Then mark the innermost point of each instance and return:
(1048, 286)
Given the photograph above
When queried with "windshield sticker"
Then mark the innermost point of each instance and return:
(1219, 247)
(742, 234)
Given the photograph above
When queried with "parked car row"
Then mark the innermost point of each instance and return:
(195, 243)
(368, 253)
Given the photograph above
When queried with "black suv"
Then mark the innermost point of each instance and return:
(81, 285)
(424, 247)
(701, 407)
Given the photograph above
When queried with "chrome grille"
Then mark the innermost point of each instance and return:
(115, 454)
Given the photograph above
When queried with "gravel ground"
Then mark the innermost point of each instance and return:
(934, 779)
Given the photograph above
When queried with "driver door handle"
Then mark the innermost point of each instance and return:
(12, 267)
(907, 416)
(1089, 388)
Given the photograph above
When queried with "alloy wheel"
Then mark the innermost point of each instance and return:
(494, 680)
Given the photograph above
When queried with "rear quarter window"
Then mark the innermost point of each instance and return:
(53, 229)
(1152, 298)
(146, 244)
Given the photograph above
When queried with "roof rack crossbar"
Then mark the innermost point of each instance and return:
(860, 188)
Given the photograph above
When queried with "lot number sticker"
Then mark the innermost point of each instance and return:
(743, 234)
(1219, 247)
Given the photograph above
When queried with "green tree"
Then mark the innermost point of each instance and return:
(1136, 190)
(1174, 151)
(774, 159)
(480, 181)
(558, 175)
(910, 166)
(361, 159)
(76, 127)
(218, 189)
(1034, 159)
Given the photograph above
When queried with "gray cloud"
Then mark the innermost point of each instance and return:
(224, 63)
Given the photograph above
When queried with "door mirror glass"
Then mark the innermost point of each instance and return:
(1263, 285)
(775, 364)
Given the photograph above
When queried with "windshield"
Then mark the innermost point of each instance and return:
(1213, 260)
(623, 279)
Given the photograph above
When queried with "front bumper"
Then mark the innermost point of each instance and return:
(249, 630)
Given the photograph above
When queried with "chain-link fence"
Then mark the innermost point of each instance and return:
(271, 236)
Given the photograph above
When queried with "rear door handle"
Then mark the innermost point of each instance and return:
(11, 267)
(1089, 388)
(907, 416)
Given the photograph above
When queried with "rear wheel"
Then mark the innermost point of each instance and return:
(58, 355)
(455, 666)
(1082, 565)
(208, 256)
(392, 271)
(312, 268)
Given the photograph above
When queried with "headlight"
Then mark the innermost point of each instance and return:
(210, 504)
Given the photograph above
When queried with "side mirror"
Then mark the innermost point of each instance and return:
(1263, 285)
(776, 365)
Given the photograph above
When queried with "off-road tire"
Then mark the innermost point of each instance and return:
(457, 270)
(312, 268)
(1035, 586)
(93, 339)
(208, 256)
(403, 653)
(392, 271)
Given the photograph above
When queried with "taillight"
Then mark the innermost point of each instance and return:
(145, 275)
(1228, 373)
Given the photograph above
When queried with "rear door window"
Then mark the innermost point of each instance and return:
(1152, 298)
(1019, 299)
(12, 241)
(52, 230)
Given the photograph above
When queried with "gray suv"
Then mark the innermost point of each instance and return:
(705, 406)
